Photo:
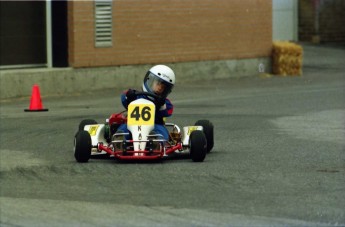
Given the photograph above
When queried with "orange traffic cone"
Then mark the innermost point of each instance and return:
(36, 101)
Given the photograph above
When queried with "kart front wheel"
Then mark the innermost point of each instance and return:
(208, 130)
(198, 146)
(82, 146)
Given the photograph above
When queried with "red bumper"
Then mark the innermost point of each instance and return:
(139, 155)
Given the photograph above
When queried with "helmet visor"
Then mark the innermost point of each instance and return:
(156, 85)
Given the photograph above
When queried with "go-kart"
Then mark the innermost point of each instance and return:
(94, 139)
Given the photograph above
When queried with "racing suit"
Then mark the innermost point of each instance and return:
(163, 111)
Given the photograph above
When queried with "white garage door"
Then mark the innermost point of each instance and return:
(285, 20)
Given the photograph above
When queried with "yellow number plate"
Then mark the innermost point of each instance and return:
(141, 114)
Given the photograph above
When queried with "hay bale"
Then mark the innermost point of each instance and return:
(287, 59)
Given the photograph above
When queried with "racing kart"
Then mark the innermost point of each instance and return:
(94, 139)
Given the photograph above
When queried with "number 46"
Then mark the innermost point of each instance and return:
(145, 113)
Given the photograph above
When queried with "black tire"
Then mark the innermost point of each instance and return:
(208, 131)
(86, 122)
(82, 146)
(198, 146)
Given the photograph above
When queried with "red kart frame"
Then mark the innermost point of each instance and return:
(124, 154)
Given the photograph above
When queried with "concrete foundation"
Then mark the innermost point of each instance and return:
(17, 83)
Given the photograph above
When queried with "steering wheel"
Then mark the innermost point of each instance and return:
(137, 93)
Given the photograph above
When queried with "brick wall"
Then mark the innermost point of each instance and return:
(158, 31)
(322, 20)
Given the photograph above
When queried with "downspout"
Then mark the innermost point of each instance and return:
(316, 36)
(49, 34)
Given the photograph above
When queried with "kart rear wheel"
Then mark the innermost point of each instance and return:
(82, 146)
(86, 122)
(197, 146)
(208, 130)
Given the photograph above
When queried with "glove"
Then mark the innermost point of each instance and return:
(159, 102)
(130, 95)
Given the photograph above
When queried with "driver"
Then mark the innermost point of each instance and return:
(159, 80)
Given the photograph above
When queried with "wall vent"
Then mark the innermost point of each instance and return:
(103, 23)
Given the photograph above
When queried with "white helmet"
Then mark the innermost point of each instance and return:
(159, 74)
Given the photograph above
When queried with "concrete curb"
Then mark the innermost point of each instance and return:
(62, 81)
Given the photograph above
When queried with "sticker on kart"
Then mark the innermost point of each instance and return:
(141, 114)
(93, 130)
(191, 129)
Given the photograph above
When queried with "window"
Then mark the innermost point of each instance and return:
(103, 23)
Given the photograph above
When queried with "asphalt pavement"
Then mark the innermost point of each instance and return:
(278, 158)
